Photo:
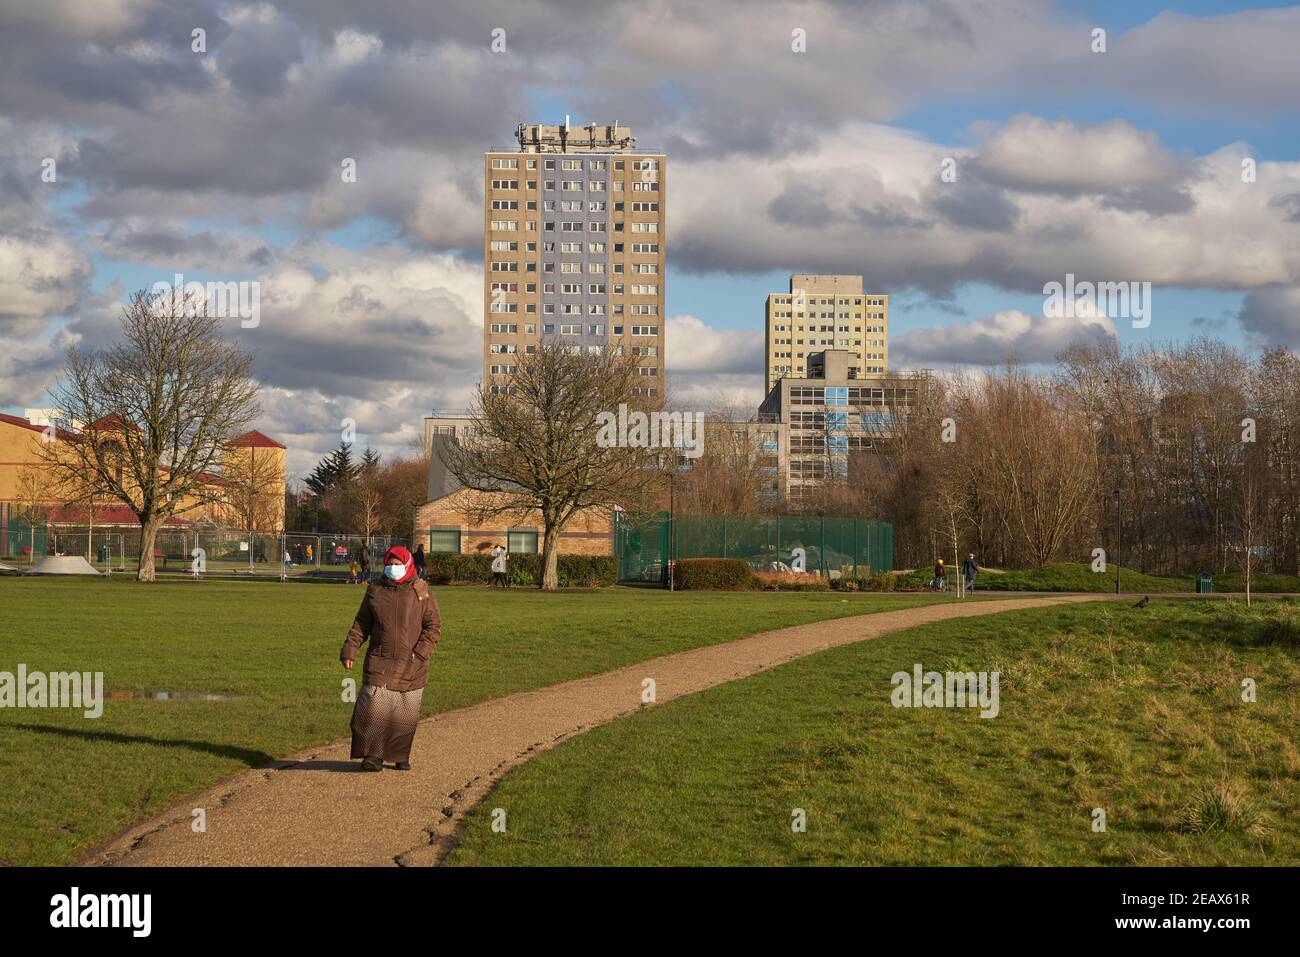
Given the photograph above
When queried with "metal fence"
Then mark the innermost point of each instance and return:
(821, 545)
(224, 551)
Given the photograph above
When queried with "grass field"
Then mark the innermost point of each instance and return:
(69, 782)
(1077, 577)
(1138, 712)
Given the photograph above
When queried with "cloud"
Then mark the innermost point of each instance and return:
(41, 274)
(381, 337)
(1034, 154)
(711, 368)
(1271, 316)
(779, 161)
(1207, 229)
(993, 340)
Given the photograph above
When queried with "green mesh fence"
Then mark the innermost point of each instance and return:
(828, 546)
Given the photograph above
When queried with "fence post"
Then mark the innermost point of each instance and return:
(724, 536)
(663, 547)
(825, 571)
(855, 548)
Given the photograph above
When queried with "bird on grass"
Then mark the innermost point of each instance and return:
(1143, 602)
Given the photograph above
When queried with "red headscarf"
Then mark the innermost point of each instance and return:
(399, 554)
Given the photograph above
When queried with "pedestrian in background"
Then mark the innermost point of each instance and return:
(499, 567)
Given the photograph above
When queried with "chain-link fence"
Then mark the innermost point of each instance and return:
(822, 545)
(223, 551)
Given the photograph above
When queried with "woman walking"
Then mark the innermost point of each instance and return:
(499, 567)
(399, 617)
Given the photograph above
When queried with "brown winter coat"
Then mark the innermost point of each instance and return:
(401, 620)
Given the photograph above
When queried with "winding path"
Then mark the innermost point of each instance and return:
(318, 808)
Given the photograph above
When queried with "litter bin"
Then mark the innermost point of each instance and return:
(1204, 584)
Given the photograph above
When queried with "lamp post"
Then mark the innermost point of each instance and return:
(1119, 532)
(672, 528)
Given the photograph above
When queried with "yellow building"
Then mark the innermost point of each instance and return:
(573, 248)
(251, 487)
(826, 312)
(252, 474)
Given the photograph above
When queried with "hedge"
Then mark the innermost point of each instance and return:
(703, 573)
(790, 581)
(572, 571)
(880, 581)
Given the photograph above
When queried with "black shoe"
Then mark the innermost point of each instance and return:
(372, 764)
(402, 766)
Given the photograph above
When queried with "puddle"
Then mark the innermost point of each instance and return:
(172, 696)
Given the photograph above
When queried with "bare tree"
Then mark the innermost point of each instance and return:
(535, 446)
(160, 410)
(31, 500)
(366, 497)
(1252, 489)
(252, 491)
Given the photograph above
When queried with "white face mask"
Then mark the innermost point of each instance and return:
(394, 571)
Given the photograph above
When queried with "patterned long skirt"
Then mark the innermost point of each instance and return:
(383, 723)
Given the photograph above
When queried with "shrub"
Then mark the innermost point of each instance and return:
(445, 567)
(880, 581)
(571, 571)
(790, 581)
(703, 573)
(584, 571)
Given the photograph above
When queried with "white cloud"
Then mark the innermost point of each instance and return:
(993, 340)
(1034, 153)
(40, 275)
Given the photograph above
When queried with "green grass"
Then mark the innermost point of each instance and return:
(1138, 712)
(70, 782)
(1081, 577)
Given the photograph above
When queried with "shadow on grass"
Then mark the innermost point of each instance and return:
(245, 755)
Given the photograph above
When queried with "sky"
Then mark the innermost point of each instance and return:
(1169, 157)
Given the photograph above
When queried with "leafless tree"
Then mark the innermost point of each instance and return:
(535, 446)
(31, 505)
(159, 411)
(252, 489)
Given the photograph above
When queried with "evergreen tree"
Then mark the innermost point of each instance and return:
(333, 471)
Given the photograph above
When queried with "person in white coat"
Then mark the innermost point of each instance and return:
(499, 567)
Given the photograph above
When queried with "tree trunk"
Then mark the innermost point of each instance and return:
(550, 577)
(148, 536)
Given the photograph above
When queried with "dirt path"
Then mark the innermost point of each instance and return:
(318, 808)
